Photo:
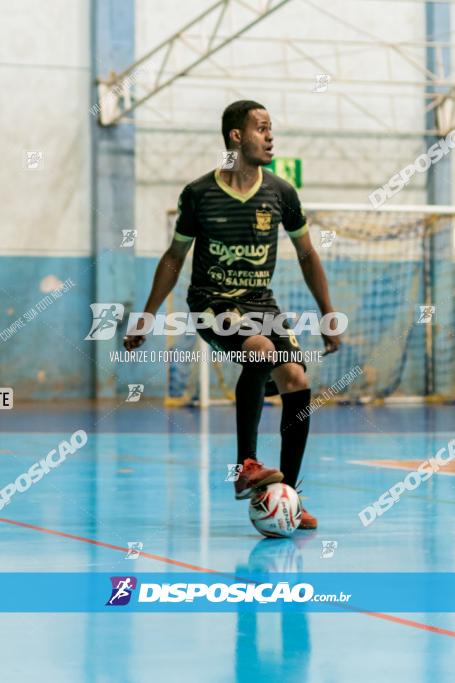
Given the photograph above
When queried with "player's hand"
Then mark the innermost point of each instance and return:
(332, 342)
(133, 341)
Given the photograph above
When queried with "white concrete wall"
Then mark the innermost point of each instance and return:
(335, 169)
(44, 79)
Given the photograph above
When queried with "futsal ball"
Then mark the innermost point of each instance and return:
(275, 511)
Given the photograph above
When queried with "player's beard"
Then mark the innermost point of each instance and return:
(253, 158)
(255, 154)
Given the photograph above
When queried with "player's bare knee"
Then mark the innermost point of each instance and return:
(258, 345)
(290, 378)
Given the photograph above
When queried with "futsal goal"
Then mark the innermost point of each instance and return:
(391, 271)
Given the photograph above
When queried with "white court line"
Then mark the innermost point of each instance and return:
(204, 486)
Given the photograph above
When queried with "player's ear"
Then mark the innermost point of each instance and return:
(235, 136)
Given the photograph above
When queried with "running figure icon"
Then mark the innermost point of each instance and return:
(122, 587)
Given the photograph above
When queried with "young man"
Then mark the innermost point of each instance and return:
(233, 216)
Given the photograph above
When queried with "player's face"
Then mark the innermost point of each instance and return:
(257, 139)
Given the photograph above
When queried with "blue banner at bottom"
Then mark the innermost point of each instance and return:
(223, 592)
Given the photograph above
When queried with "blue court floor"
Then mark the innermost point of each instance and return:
(158, 476)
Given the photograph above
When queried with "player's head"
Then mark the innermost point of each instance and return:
(247, 128)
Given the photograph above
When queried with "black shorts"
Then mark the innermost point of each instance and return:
(287, 348)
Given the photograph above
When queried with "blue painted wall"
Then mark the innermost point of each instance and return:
(45, 358)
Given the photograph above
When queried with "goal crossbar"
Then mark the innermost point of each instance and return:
(433, 209)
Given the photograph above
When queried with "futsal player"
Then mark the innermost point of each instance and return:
(233, 215)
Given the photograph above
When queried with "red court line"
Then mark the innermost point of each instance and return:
(167, 560)
(409, 622)
(177, 563)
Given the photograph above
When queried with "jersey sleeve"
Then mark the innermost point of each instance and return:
(186, 224)
(293, 218)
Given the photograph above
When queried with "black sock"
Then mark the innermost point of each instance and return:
(249, 399)
(295, 424)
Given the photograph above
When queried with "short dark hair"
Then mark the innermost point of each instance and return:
(234, 116)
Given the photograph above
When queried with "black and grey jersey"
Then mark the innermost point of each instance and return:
(235, 236)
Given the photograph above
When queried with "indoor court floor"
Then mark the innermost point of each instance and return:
(157, 476)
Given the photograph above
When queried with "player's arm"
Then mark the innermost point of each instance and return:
(170, 264)
(165, 278)
(315, 278)
(167, 274)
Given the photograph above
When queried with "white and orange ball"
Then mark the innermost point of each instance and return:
(275, 511)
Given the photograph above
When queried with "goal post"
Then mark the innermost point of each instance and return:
(382, 269)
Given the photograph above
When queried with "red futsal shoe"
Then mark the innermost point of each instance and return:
(307, 521)
(253, 476)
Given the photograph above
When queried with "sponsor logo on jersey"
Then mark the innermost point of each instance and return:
(255, 254)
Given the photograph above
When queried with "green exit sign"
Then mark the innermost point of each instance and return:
(288, 168)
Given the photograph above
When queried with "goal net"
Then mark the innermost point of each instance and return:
(391, 272)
